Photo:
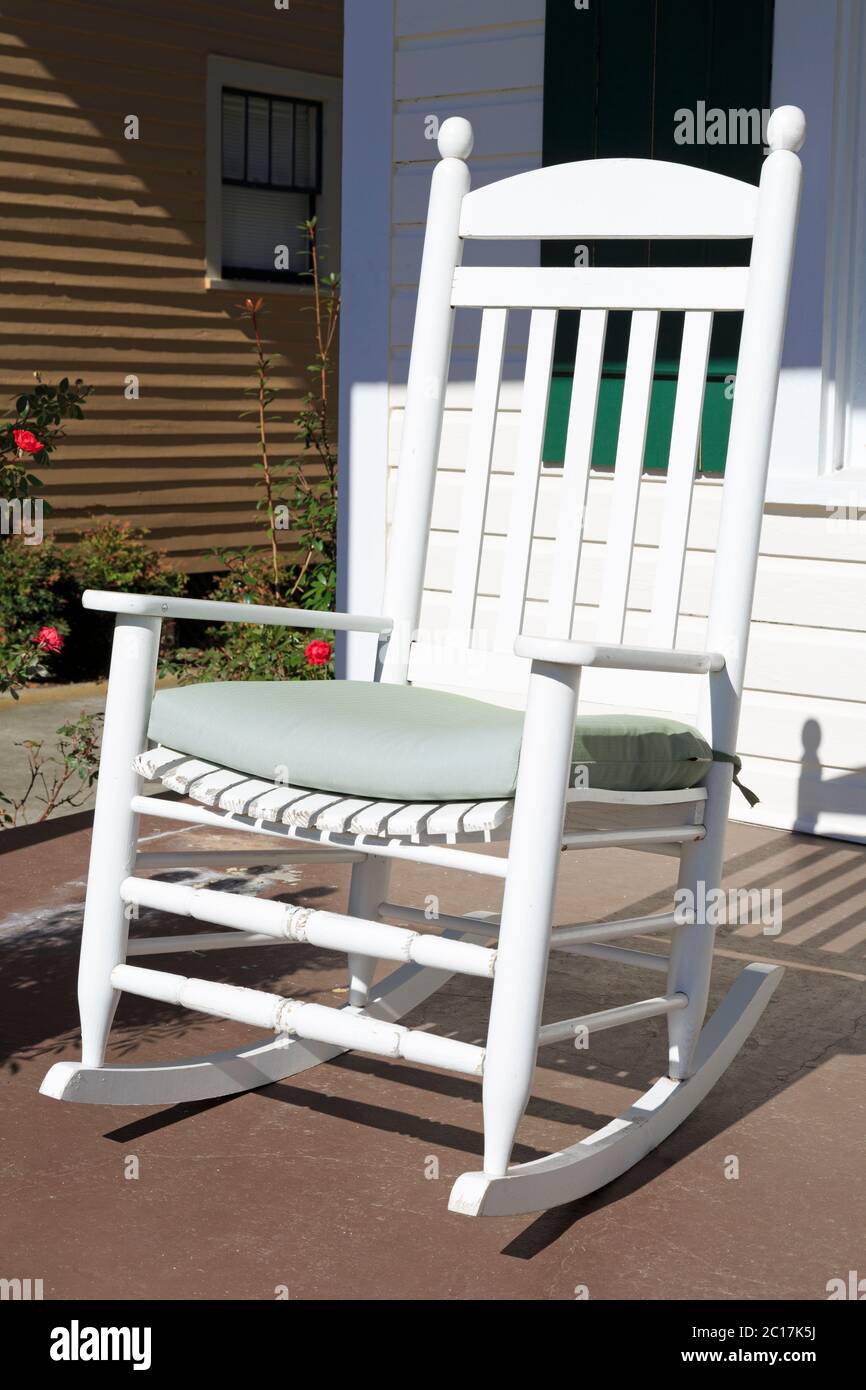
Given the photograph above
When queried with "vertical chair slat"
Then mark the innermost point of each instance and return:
(637, 392)
(575, 471)
(685, 435)
(491, 350)
(524, 496)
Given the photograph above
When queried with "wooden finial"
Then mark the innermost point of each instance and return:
(786, 128)
(456, 138)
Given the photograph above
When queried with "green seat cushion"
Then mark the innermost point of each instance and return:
(402, 743)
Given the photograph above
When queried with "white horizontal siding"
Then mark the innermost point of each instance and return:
(803, 729)
(823, 664)
(506, 126)
(411, 187)
(408, 244)
(417, 18)
(466, 62)
(784, 586)
(823, 801)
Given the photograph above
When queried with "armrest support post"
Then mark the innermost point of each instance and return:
(527, 907)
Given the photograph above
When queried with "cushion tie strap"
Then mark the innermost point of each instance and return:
(736, 764)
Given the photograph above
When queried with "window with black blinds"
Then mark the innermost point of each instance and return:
(271, 177)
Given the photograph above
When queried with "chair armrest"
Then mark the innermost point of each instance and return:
(617, 658)
(213, 611)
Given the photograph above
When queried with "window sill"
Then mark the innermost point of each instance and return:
(262, 287)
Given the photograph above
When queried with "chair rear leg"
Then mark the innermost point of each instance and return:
(534, 853)
(367, 889)
(115, 827)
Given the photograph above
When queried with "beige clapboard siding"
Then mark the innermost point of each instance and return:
(54, 124)
(148, 31)
(47, 109)
(17, 223)
(102, 259)
(36, 179)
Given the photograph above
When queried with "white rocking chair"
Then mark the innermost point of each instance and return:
(398, 770)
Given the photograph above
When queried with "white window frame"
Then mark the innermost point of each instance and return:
(276, 82)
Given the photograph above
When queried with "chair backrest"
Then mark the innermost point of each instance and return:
(540, 581)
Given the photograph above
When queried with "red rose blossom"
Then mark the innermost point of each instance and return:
(317, 653)
(26, 440)
(48, 639)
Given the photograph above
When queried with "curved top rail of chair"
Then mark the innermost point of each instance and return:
(612, 198)
(213, 611)
(616, 198)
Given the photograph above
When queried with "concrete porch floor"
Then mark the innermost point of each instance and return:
(325, 1185)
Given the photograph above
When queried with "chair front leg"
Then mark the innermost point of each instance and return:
(527, 910)
(115, 827)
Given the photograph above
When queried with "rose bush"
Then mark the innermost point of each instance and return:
(36, 431)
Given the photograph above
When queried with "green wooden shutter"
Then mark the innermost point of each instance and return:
(615, 74)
